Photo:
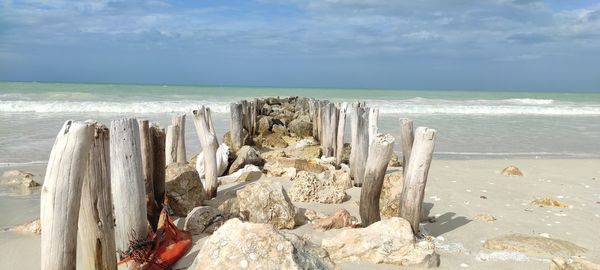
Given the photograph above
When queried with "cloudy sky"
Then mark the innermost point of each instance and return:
(405, 44)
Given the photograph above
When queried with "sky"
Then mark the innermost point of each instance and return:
(520, 45)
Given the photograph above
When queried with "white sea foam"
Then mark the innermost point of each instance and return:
(406, 106)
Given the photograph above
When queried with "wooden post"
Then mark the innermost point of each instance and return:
(211, 126)
(252, 118)
(152, 209)
(360, 146)
(236, 130)
(96, 224)
(413, 191)
(314, 107)
(373, 117)
(61, 195)
(127, 183)
(158, 177)
(380, 153)
(340, 133)
(179, 121)
(209, 144)
(171, 144)
(328, 129)
(408, 137)
(319, 121)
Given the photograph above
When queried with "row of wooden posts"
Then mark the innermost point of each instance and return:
(95, 179)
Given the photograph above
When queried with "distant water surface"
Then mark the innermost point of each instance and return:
(470, 124)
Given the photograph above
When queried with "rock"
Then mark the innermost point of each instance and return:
(31, 227)
(394, 161)
(485, 218)
(303, 215)
(266, 202)
(389, 200)
(183, 187)
(541, 202)
(275, 169)
(301, 165)
(300, 128)
(279, 129)
(534, 245)
(340, 219)
(346, 153)
(238, 245)
(389, 241)
(274, 140)
(279, 121)
(266, 109)
(203, 219)
(512, 171)
(572, 263)
(249, 176)
(264, 124)
(245, 156)
(306, 187)
(272, 155)
(310, 152)
(342, 179)
(18, 177)
(307, 141)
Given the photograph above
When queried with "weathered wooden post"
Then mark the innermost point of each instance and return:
(252, 129)
(319, 136)
(236, 123)
(61, 195)
(127, 183)
(329, 126)
(171, 144)
(373, 117)
(179, 121)
(413, 191)
(158, 177)
(211, 126)
(208, 141)
(96, 224)
(380, 153)
(340, 133)
(152, 209)
(360, 145)
(313, 103)
(408, 137)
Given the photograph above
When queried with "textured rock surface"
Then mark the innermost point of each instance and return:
(573, 263)
(485, 218)
(279, 129)
(311, 151)
(18, 177)
(389, 201)
(300, 128)
(183, 187)
(264, 124)
(273, 140)
(275, 169)
(342, 179)
(307, 187)
(203, 219)
(249, 176)
(512, 171)
(394, 161)
(238, 245)
(266, 202)
(31, 227)
(549, 202)
(272, 155)
(340, 219)
(534, 245)
(388, 241)
(246, 155)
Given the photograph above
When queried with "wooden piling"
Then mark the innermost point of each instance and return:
(171, 144)
(408, 137)
(158, 147)
(61, 195)
(373, 118)
(380, 153)
(179, 121)
(413, 191)
(340, 133)
(360, 146)
(236, 126)
(127, 183)
(96, 221)
(209, 144)
(152, 209)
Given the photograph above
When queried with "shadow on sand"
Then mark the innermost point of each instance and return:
(444, 223)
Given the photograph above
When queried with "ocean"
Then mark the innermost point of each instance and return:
(470, 124)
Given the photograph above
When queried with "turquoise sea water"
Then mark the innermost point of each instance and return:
(471, 124)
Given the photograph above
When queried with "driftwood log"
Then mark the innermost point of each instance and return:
(179, 121)
(408, 137)
(96, 224)
(411, 200)
(209, 144)
(171, 144)
(236, 125)
(360, 144)
(127, 183)
(61, 195)
(380, 153)
(340, 133)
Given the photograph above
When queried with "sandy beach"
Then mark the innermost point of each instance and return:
(457, 191)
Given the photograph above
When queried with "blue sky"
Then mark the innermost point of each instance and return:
(406, 44)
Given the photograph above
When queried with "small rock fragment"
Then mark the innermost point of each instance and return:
(512, 171)
(541, 202)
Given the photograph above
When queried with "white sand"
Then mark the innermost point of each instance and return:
(453, 195)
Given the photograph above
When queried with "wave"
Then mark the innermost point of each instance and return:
(19, 164)
(524, 106)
